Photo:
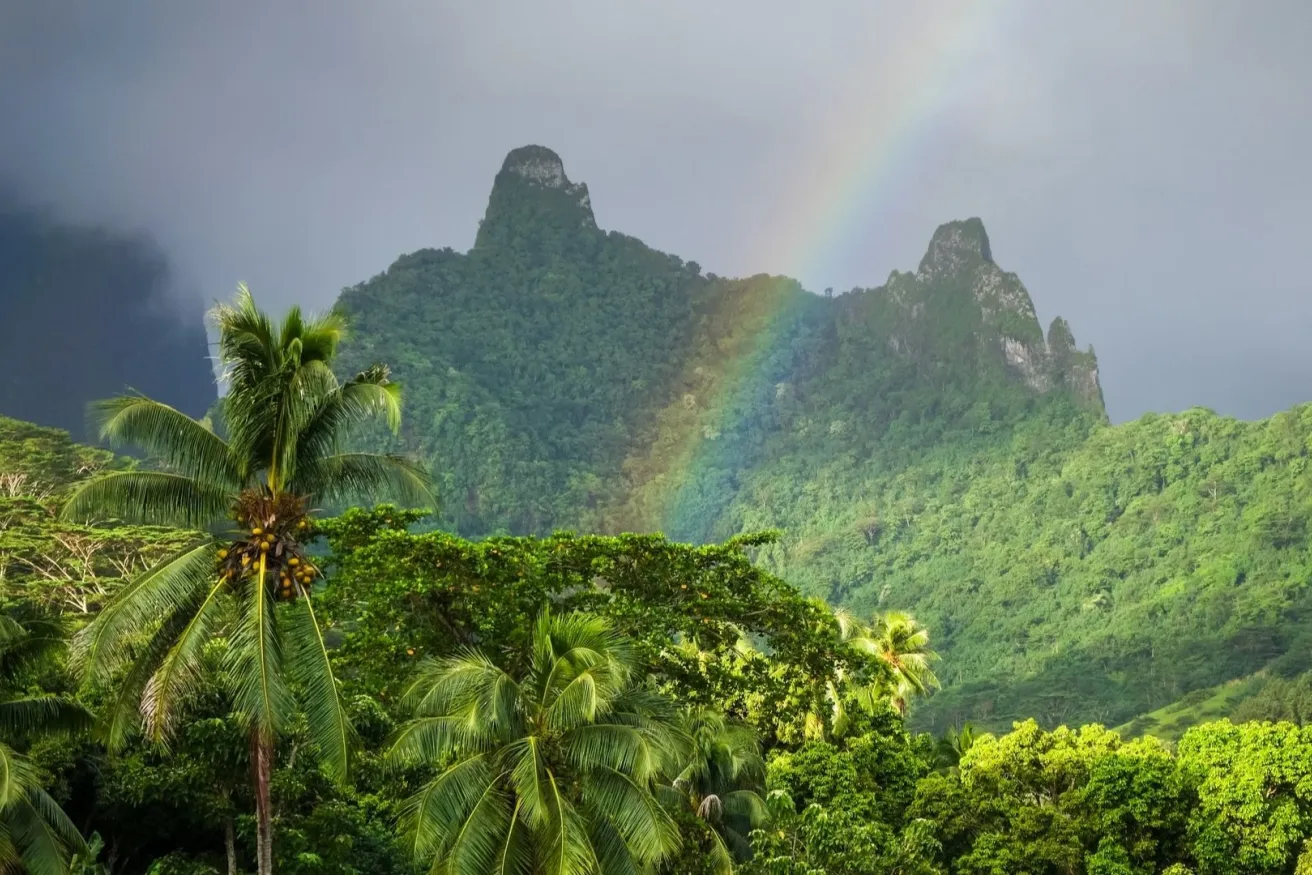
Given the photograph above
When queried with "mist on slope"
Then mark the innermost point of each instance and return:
(1142, 169)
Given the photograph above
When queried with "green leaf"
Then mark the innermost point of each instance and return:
(311, 668)
(169, 435)
(152, 497)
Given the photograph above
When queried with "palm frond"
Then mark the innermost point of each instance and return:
(721, 856)
(122, 716)
(58, 821)
(255, 660)
(297, 394)
(474, 847)
(362, 399)
(320, 335)
(737, 843)
(530, 775)
(12, 633)
(613, 856)
(311, 668)
(746, 804)
(18, 777)
(515, 855)
(247, 341)
(430, 818)
(182, 443)
(469, 680)
(646, 828)
(43, 714)
(100, 648)
(612, 746)
(583, 697)
(566, 848)
(435, 739)
(43, 835)
(182, 668)
(29, 643)
(151, 497)
(848, 625)
(345, 476)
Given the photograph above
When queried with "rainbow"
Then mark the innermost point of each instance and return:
(702, 437)
(871, 159)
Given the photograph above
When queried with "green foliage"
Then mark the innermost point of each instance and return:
(1279, 699)
(721, 772)
(841, 808)
(1105, 574)
(35, 833)
(246, 578)
(1254, 807)
(551, 770)
(401, 597)
(1034, 801)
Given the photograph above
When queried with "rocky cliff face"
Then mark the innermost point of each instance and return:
(534, 205)
(958, 280)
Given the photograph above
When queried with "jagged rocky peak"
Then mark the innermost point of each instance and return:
(959, 259)
(957, 245)
(533, 200)
(537, 164)
(1073, 369)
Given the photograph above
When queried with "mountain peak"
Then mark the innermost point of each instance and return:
(533, 201)
(536, 164)
(963, 243)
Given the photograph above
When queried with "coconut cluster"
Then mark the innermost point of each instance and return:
(274, 540)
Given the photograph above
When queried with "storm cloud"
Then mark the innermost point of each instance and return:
(1144, 167)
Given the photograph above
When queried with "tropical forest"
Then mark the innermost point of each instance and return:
(561, 556)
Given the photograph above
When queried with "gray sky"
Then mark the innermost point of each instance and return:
(1144, 165)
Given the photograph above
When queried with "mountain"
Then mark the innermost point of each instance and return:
(83, 315)
(562, 375)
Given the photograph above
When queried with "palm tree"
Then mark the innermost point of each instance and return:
(246, 576)
(953, 745)
(35, 834)
(718, 781)
(899, 641)
(553, 772)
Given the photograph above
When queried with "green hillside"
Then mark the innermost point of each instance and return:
(922, 445)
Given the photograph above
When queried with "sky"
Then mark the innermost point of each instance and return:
(1146, 168)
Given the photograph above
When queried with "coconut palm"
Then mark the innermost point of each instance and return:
(552, 772)
(35, 834)
(246, 576)
(719, 783)
(899, 641)
(953, 745)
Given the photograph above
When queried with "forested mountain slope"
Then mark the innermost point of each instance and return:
(922, 445)
(560, 375)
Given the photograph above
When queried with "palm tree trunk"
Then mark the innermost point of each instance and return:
(262, 760)
(230, 844)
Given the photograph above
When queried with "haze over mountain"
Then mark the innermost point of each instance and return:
(85, 314)
(1143, 167)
